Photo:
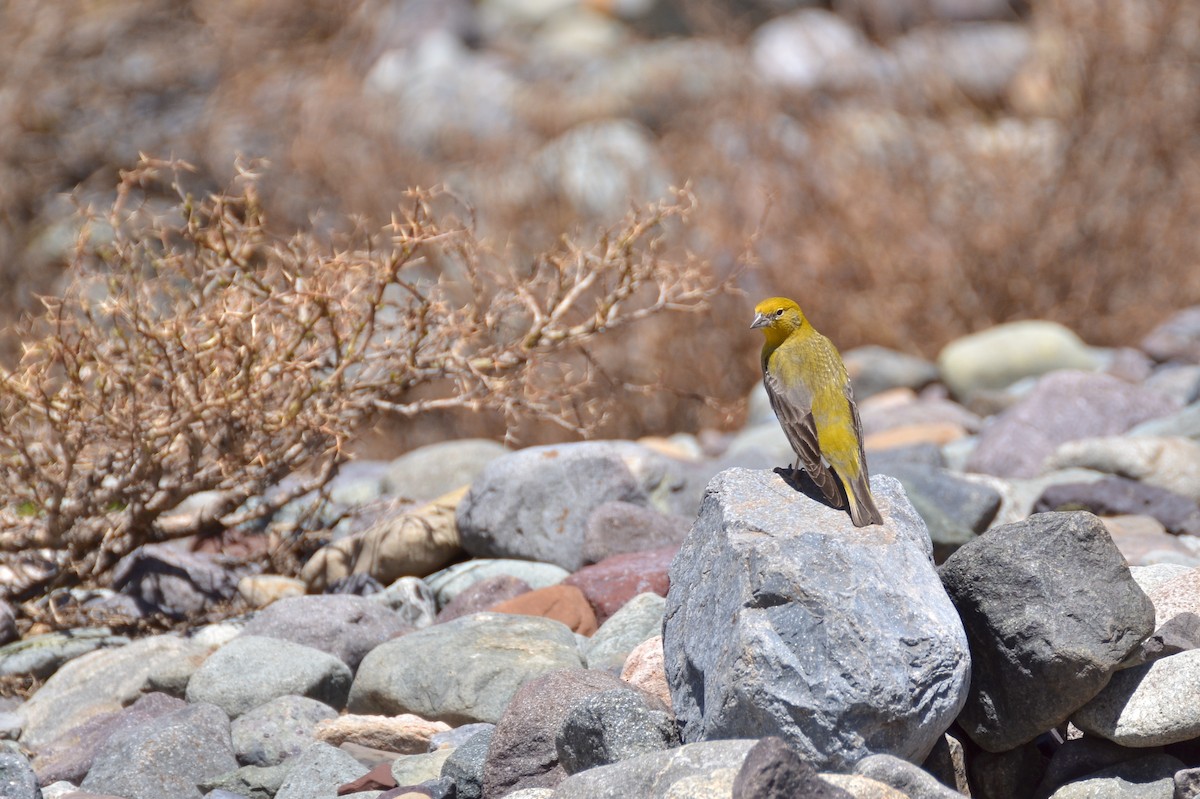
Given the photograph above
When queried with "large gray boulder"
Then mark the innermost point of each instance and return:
(535, 503)
(785, 619)
(1050, 609)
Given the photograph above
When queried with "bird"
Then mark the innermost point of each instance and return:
(810, 393)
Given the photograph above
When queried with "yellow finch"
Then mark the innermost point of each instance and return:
(811, 395)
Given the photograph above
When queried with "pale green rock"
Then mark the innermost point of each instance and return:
(996, 358)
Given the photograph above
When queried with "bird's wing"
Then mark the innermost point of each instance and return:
(863, 511)
(792, 408)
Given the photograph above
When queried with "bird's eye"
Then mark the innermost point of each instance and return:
(779, 312)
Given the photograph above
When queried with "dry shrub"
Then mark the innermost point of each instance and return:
(908, 219)
(196, 351)
(904, 216)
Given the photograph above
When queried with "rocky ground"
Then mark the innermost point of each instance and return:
(676, 618)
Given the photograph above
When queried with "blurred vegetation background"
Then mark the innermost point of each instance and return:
(908, 170)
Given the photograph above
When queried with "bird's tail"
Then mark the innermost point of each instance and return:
(862, 505)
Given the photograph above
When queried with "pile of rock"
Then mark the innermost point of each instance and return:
(653, 620)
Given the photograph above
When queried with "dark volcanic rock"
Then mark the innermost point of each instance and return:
(1050, 610)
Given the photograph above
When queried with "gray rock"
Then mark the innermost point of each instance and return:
(17, 780)
(8, 623)
(1184, 423)
(172, 676)
(615, 528)
(431, 471)
(423, 767)
(773, 770)
(345, 626)
(1150, 705)
(251, 782)
(465, 764)
(874, 370)
(251, 670)
(463, 671)
(703, 769)
(277, 729)
(523, 752)
(1151, 777)
(599, 166)
(1112, 496)
(42, 655)
(1177, 339)
(170, 580)
(318, 771)
(453, 580)
(774, 597)
(70, 755)
(414, 84)
(1004, 775)
(1180, 594)
(1080, 757)
(440, 788)
(913, 781)
(948, 763)
(483, 595)
(980, 60)
(1152, 576)
(813, 49)
(1187, 783)
(457, 736)
(996, 358)
(1169, 463)
(535, 503)
(100, 682)
(1179, 633)
(11, 722)
(954, 510)
(1062, 407)
(532, 793)
(168, 755)
(640, 619)
(612, 725)
(221, 793)
(1050, 610)
(411, 599)
(1178, 381)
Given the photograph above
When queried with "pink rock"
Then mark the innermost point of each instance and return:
(407, 734)
(644, 669)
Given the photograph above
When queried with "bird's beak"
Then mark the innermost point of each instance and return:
(759, 321)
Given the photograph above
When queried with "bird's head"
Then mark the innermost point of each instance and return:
(777, 317)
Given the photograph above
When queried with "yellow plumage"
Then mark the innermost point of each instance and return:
(810, 392)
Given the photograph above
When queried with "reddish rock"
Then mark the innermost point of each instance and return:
(565, 603)
(483, 595)
(612, 582)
